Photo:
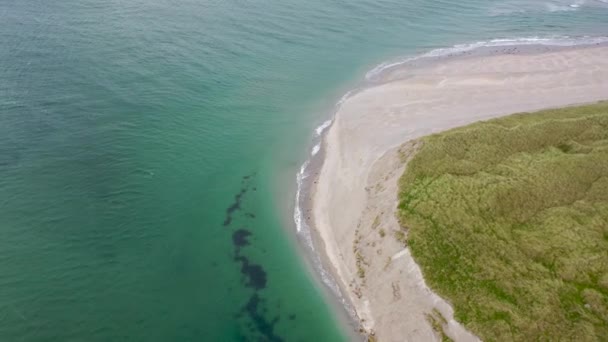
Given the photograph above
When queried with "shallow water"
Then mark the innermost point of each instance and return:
(144, 147)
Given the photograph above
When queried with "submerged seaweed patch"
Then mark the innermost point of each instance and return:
(240, 237)
(254, 275)
(236, 205)
(238, 199)
(264, 326)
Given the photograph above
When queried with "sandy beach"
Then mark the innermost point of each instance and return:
(366, 150)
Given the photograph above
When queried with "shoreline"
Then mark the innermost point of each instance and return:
(325, 261)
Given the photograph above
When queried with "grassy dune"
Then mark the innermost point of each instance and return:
(509, 221)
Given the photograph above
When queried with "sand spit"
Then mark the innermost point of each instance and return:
(355, 197)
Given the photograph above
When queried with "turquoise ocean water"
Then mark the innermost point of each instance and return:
(149, 149)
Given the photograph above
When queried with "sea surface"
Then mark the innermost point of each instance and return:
(149, 152)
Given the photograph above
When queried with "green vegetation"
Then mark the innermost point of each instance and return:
(437, 322)
(509, 221)
(360, 262)
(376, 222)
(382, 232)
(400, 236)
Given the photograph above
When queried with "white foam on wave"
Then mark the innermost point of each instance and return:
(561, 8)
(515, 7)
(461, 48)
(319, 130)
(343, 98)
(303, 230)
(297, 212)
(315, 149)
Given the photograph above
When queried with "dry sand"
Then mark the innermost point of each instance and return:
(356, 194)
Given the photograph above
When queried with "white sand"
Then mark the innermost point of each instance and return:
(358, 179)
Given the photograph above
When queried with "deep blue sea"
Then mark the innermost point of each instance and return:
(149, 151)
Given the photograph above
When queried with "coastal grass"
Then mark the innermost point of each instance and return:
(508, 220)
(437, 322)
